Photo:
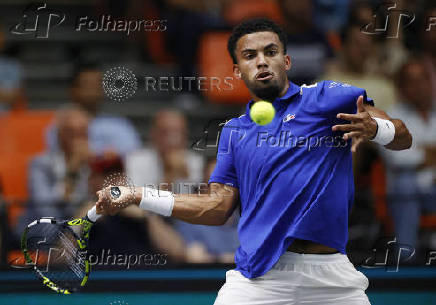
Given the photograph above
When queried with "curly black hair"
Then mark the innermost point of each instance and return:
(253, 26)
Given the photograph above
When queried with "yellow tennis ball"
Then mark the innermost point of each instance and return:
(262, 112)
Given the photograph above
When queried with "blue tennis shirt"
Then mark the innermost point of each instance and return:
(294, 175)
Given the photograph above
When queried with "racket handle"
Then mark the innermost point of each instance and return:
(92, 214)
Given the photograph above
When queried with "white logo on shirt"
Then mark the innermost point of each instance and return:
(307, 86)
(288, 117)
(337, 84)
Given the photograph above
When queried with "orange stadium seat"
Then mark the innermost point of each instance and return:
(21, 138)
(239, 10)
(13, 180)
(216, 65)
(156, 39)
(378, 185)
(23, 131)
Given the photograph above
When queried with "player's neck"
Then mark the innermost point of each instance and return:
(282, 93)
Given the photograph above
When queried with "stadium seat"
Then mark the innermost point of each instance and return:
(239, 10)
(378, 185)
(21, 138)
(155, 40)
(216, 65)
(13, 183)
(23, 131)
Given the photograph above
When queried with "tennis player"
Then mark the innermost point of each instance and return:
(292, 177)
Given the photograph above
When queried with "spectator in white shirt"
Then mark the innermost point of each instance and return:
(412, 172)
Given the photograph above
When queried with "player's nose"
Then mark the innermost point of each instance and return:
(261, 60)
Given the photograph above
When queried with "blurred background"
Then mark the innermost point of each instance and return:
(62, 138)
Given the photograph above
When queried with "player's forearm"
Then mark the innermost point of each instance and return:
(213, 208)
(402, 139)
(200, 209)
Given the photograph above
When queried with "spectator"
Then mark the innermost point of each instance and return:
(106, 132)
(428, 41)
(10, 77)
(354, 67)
(412, 172)
(58, 180)
(206, 244)
(308, 48)
(168, 161)
(331, 16)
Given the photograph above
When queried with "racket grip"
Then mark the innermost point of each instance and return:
(92, 214)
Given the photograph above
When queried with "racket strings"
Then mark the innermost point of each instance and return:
(60, 258)
(73, 255)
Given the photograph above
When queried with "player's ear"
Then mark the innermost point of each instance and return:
(288, 62)
(236, 71)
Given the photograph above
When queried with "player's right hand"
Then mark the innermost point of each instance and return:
(113, 199)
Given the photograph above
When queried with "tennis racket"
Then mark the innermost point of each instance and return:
(57, 249)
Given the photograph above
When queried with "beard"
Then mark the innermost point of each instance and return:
(267, 93)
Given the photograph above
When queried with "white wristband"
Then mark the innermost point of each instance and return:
(92, 214)
(157, 201)
(385, 132)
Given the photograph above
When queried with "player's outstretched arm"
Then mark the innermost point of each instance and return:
(209, 209)
(213, 208)
(364, 126)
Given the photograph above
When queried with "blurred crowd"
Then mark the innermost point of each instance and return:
(368, 44)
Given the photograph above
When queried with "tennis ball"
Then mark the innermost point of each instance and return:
(262, 112)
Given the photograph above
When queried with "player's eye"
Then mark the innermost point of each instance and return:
(249, 55)
(271, 52)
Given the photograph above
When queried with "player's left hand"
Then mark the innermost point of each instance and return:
(362, 126)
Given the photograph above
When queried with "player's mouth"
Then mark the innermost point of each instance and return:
(263, 76)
